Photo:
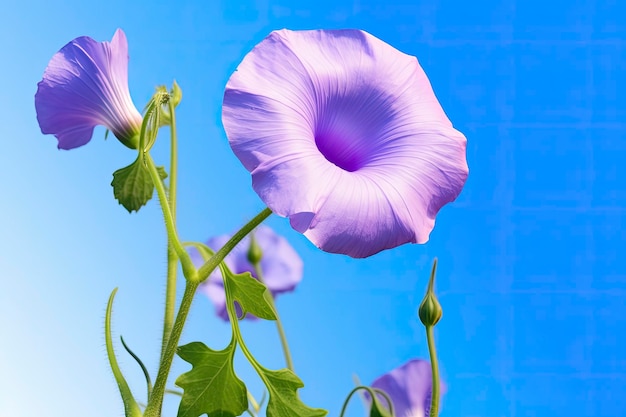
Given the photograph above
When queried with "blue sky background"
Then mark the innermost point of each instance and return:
(532, 276)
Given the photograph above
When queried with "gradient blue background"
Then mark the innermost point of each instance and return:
(532, 272)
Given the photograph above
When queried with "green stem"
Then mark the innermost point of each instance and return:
(173, 159)
(170, 296)
(234, 322)
(189, 269)
(347, 401)
(219, 256)
(155, 402)
(279, 325)
(372, 392)
(434, 401)
(232, 316)
(172, 258)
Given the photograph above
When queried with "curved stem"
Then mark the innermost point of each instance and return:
(172, 257)
(371, 391)
(347, 400)
(434, 401)
(279, 325)
(357, 382)
(189, 269)
(219, 256)
(234, 322)
(131, 408)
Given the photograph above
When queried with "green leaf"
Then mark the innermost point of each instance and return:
(132, 185)
(252, 295)
(284, 401)
(211, 387)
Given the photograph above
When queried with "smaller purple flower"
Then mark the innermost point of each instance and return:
(409, 387)
(280, 265)
(84, 85)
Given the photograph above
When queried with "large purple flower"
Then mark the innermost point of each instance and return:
(280, 265)
(344, 136)
(84, 85)
(409, 387)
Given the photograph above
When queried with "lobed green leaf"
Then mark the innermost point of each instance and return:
(252, 295)
(283, 387)
(211, 386)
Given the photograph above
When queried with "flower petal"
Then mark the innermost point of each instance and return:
(343, 134)
(84, 85)
(409, 387)
(281, 265)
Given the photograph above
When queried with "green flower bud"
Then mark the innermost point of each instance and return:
(430, 311)
(255, 253)
(163, 98)
(176, 94)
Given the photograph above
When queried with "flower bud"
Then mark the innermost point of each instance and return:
(176, 94)
(255, 253)
(430, 311)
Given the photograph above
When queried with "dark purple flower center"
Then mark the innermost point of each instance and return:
(350, 126)
(336, 149)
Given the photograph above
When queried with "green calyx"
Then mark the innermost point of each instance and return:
(130, 140)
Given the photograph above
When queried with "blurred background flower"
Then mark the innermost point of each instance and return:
(280, 265)
(409, 386)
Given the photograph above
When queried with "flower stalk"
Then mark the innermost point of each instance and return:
(172, 256)
(430, 313)
(279, 325)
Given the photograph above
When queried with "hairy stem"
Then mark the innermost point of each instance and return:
(188, 268)
(434, 401)
(172, 257)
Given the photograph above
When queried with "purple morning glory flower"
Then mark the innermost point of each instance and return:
(409, 387)
(344, 136)
(84, 85)
(280, 264)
